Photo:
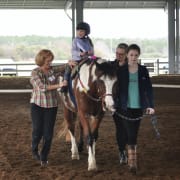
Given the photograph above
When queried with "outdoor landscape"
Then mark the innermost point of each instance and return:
(24, 48)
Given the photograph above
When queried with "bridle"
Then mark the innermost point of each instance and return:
(99, 99)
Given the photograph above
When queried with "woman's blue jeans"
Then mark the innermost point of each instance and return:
(43, 120)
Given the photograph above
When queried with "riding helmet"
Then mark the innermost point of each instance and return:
(84, 26)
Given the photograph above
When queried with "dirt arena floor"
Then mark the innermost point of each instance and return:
(158, 159)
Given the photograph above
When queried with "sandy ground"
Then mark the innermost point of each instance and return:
(158, 159)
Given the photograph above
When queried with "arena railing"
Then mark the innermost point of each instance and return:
(155, 67)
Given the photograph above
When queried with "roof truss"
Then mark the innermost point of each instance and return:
(60, 4)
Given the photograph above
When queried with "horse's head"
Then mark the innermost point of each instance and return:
(105, 82)
(93, 86)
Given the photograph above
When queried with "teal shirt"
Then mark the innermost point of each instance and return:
(133, 91)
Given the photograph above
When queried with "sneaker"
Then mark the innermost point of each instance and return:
(36, 156)
(44, 163)
(123, 157)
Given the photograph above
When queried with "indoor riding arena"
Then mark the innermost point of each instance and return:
(158, 158)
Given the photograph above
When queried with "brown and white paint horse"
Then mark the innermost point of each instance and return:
(92, 88)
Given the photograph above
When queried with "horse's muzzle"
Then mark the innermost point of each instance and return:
(108, 103)
(108, 107)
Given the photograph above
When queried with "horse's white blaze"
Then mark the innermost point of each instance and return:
(91, 158)
(74, 149)
(109, 99)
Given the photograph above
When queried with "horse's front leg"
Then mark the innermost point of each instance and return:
(70, 118)
(94, 126)
(81, 138)
(74, 148)
(91, 156)
(89, 140)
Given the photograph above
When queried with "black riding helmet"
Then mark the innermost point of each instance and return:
(84, 26)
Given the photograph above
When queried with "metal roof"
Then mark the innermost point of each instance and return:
(60, 4)
(125, 4)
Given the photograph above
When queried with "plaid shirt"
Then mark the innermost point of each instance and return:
(40, 95)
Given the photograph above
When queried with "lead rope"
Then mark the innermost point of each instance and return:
(153, 119)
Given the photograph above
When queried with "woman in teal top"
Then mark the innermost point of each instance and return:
(134, 96)
(133, 91)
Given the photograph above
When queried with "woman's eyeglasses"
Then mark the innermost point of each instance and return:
(120, 54)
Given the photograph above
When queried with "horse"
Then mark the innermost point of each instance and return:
(90, 95)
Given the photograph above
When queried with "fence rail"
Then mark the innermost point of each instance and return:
(155, 67)
(18, 69)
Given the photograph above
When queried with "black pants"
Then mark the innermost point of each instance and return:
(121, 134)
(127, 130)
(43, 120)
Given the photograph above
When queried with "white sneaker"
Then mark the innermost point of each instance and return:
(44, 163)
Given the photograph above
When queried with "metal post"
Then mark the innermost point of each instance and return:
(157, 67)
(73, 19)
(79, 10)
(177, 37)
(171, 36)
(16, 70)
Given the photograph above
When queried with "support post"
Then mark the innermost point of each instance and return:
(171, 36)
(177, 37)
(79, 10)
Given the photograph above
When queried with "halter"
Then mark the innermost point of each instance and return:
(100, 99)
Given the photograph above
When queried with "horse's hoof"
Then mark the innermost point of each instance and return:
(75, 157)
(92, 168)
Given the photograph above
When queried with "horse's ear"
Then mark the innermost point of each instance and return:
(98, 65)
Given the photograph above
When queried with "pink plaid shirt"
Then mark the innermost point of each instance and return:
(40, 95)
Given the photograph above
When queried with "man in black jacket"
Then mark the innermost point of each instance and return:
(134, 95)
(121, 135)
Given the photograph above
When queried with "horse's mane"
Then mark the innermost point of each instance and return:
(106, 67)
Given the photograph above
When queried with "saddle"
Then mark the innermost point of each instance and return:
(75, 72)
(76, 68)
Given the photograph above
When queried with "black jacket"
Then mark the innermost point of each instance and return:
(145, 87)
